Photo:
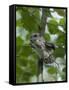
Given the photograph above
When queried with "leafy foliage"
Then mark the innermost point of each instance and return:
(52, 70)
(27, 21)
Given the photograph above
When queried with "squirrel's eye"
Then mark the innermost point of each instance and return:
(35, 35)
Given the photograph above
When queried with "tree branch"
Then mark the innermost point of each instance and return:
(43, 21)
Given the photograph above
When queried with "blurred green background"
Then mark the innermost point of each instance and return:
(27, 22)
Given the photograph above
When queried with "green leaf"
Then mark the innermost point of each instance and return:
(47, 36)
(59, 52)
(27, 50)
(22, 75)
(62, 22)
(53, 26)
(33, 67)
(22, 60)
(30, 19)
(19, 23)
(60, 12)
(19, 41)
(52, 70)
(18, 74)
(61, 39)
(53, 22)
